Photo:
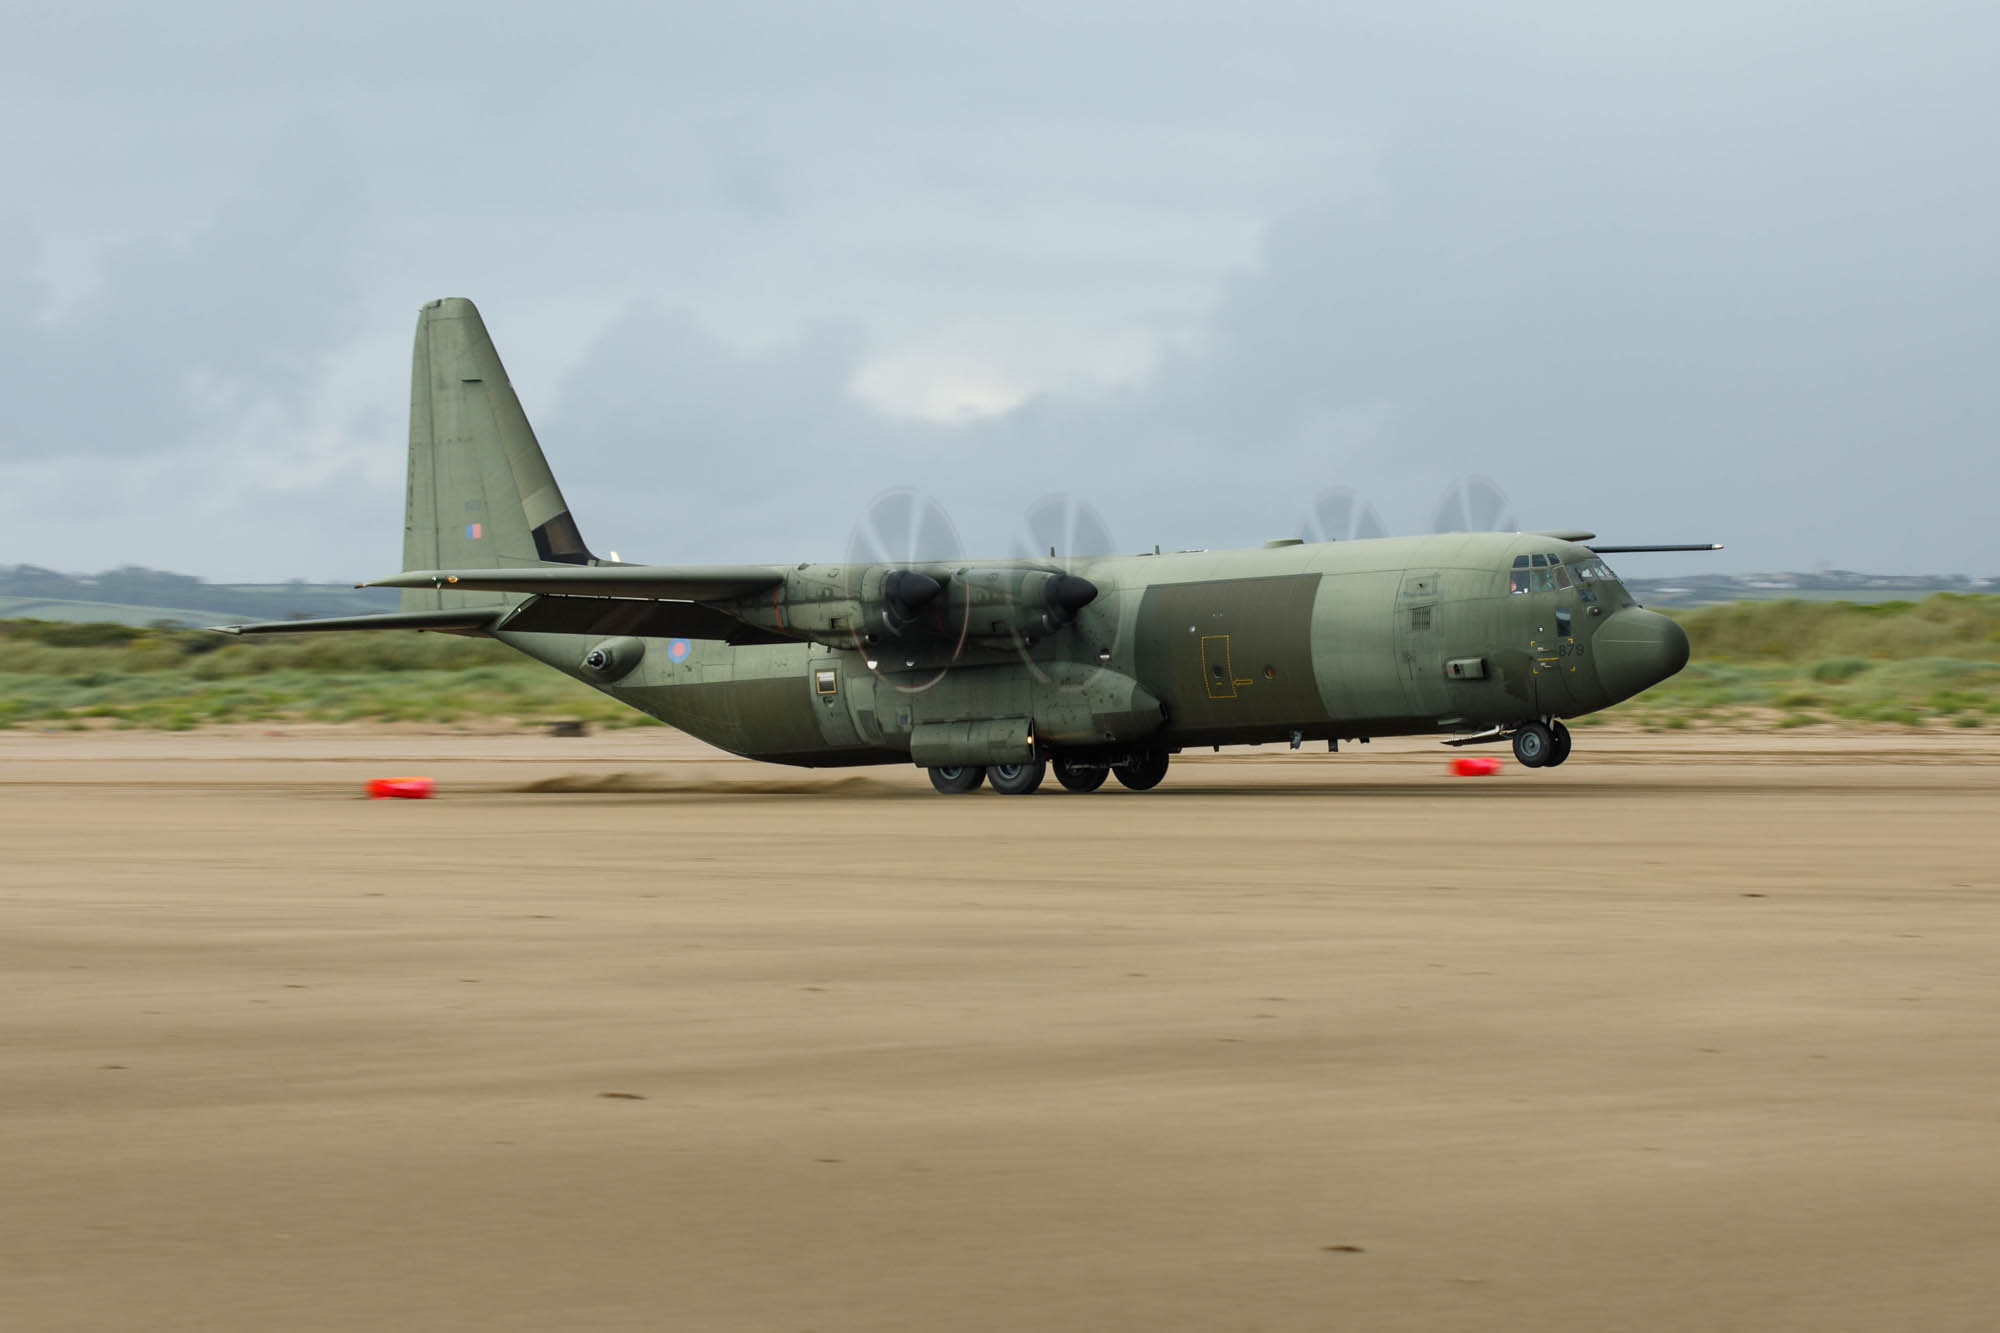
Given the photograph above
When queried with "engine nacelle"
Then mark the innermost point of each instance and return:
(998, 606)
(841, 606)
(844, 606)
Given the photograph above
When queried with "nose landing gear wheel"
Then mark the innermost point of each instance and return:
(957, 778)
(1079, 778)
(1017, 779)
(1143, 774)
(1533, 744)
(1559, 751)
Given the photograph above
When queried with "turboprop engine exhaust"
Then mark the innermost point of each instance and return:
(613, 659)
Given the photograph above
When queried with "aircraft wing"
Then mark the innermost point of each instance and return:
(468, 621)
(631, 615)
(674, 583)
(548, 614)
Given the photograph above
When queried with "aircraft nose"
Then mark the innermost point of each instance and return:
(1636, 649)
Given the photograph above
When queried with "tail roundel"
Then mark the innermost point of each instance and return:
(481, 495)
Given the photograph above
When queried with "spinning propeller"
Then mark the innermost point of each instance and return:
(1473, 504)
(1065, 534)
(1340, 515)
(901, 528)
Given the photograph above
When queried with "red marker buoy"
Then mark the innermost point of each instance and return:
(1475, 766)
(410, 789)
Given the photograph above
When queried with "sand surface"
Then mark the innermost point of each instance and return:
(1694, 1033)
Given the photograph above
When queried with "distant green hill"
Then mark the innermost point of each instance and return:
(138, 596)
(39, 608)
(1833, 585)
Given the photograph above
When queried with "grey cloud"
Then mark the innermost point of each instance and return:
(179, 333)
(671, 444)
(1706, 271)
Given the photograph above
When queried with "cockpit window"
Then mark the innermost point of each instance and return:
(1540, 572)
(1590, 573)
(1593, 570)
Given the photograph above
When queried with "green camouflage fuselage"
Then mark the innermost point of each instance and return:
(1321, 641)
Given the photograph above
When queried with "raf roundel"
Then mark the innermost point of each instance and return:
(678, 650)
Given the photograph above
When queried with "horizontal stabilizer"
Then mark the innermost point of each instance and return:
(466, 620)
(688, 583)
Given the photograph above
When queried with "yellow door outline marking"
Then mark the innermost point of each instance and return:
(1225, 685)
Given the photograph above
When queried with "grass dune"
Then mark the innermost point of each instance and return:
(1756, 665)
(1789, 664)
(98, 674)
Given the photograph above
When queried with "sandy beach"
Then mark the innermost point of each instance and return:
(1697, 1032)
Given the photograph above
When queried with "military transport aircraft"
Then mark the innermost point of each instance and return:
(996, 671)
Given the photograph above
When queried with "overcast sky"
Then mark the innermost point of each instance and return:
(1690, 271)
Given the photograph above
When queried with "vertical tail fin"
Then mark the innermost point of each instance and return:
(481, 495)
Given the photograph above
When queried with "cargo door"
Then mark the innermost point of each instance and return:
(1420, 643)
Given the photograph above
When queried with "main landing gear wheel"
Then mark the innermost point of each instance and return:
(1143, 773)
(1560, 750)
(956, 778)
(1017, 779)
(1080, 777)
(1534, 744)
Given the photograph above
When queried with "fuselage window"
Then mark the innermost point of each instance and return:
(1517, 577)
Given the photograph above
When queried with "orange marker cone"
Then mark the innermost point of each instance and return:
(412, 789)
(1475, 766)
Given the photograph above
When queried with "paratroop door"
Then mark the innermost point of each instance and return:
(1420, 643)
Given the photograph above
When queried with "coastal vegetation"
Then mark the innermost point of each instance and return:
(1757, 665)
